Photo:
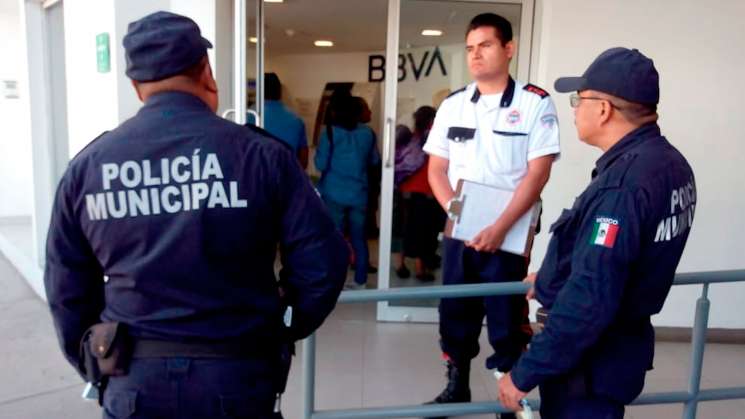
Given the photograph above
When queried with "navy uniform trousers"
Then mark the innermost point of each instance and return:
(192, 388)
(561, 399)
(461, 318)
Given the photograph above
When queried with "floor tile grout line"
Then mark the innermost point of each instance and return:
(43, 393)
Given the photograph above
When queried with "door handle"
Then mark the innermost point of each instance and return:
(388, 147)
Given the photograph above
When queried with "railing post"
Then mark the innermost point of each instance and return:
(698, 343)
(309, 375)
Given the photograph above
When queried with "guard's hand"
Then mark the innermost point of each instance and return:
(489, 239)
(530, 280)
(508, 394)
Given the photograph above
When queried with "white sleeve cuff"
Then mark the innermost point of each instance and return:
(545, 151)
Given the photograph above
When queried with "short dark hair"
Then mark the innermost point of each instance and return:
(272, 87)
(423, 118)
(194, 72)
(639, 113)
(502, 27)
(634, 112)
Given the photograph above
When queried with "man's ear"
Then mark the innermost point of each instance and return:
(510, 47)
(208, 80)
(606, 110)
(136, 86)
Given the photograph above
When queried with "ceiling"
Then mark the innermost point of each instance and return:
(360, 25)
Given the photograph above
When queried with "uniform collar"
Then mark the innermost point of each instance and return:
(507, 95)
(175, 99)
(626, 144)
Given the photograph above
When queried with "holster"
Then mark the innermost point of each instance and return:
(105, 351)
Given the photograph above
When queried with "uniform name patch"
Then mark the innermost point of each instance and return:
(177, 184)
(605, 232)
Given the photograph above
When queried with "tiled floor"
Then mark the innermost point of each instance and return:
(360, 362)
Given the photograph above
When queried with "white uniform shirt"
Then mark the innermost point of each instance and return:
(491, 141)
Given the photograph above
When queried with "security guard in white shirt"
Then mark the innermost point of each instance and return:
(502, 133)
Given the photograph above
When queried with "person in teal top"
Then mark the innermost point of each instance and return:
(343, 162)
(282, 122)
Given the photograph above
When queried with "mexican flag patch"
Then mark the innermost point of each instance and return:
(605, 231)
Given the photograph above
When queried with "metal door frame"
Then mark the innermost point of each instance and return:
(387, 312)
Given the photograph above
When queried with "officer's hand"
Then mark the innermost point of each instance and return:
(508, 394)
(489, 239)
(530, 280)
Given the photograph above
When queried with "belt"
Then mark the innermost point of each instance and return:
(148, 348)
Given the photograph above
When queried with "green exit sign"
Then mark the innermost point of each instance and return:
(103, 57)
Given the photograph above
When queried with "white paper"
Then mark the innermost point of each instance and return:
(482, 206)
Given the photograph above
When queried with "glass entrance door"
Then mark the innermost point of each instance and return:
(425, 62)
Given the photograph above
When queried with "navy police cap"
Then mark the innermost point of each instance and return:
(162, 44)
(621, 72)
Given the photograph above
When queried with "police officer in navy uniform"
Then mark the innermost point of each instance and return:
(503, 133)
(612, 257)
(169, 225)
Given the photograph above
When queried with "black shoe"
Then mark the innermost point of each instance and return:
(506, 416)
(457, 389)
(403, 272)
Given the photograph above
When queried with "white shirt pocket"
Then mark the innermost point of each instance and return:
(512, 150)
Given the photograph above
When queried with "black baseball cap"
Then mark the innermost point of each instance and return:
(162, 44)
(621, 72)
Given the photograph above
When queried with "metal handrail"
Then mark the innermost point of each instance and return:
(690, 398)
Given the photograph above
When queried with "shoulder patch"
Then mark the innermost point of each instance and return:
(462, 89)
(604, 232)
(535, 89)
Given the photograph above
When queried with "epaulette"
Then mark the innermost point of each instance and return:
(535, 89)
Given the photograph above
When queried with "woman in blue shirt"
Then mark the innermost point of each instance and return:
(343, 160)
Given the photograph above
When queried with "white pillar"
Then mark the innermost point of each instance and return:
(36, 26)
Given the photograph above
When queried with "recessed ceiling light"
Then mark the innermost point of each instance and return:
(252, 40)
(431, 32)
(322, 43)
(274, 1)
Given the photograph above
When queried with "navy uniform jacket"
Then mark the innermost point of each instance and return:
(181, 212)
(609, 266)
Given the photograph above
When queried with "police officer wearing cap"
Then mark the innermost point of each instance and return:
(167, 226)
(612, 257)
(503, 133)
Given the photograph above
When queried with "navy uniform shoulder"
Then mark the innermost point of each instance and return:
(461, 90)
(264, 133)
(617, 174)
(532, 88)
(88, 147)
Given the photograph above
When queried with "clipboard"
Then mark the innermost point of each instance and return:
(476, 206)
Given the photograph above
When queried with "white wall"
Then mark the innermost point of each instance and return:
(100, 101)
(299, 83)
(15, 144)
(92, 100)
(696, 48)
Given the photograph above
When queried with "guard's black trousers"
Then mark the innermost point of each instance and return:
(461, 318)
